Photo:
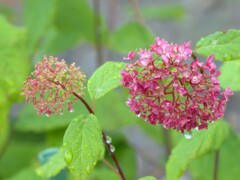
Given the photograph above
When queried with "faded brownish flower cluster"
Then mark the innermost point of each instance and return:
(51, 84)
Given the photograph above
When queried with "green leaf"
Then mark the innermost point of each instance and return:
(167, 12)
(103, 174)
(230, 72)
(30, 121)
(202, 143)
(4, 122)
(104, 79)
(21, 152)
(79, 17)
(224, 45)
(228, 167)
(36, 21)
(153, 131)
(83, 146)
(14, 61)
(26, 173)
(114, 119)
(147, 178)
(59, 40)
(53, 166)
(130, 36)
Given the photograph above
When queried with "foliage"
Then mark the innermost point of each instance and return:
(55, 26)
(104, 79)
(224, 45)
(202, 143)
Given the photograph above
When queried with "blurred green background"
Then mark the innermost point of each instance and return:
(90, 33)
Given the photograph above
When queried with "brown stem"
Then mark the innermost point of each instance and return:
(110, 166)
(90, 110)
(98, 37)
(194, 56)
(104, 138)
(216, 163)
(137, 11)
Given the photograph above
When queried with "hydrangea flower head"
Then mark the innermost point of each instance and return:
(167, 90)
(51, 84)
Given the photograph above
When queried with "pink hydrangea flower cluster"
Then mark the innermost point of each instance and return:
(167, 90)
(51, 84)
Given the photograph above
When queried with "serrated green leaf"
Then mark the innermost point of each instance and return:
(104, 79)
(130, 36)
(26, 173)
(14, 64)
(228, 167)
(37, 23)
(229, 77)
(53, 166)
(202, 143)
(167, 12)
(224, 45)
(147, 178)
(83, 146)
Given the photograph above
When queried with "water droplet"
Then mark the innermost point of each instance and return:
(68, 156)
(88, 170)
(112, 148)
(108, 139)
(188, 135)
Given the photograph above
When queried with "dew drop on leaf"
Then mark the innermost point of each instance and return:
(88, 170)
(68, 156)
(188, 135)
(108, 139)
(112, 148)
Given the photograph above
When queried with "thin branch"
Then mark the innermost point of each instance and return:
(216, 163)
(104, 138)
(137, 11)
(90, 110)
(110, 166)
(194, 56)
